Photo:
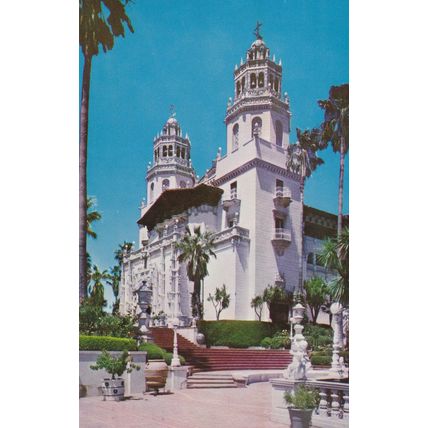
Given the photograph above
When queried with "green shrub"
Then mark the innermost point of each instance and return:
(318, 336)
(266, 342)
(100, 343)
(321, 360)
(167, 356)
(115, 365)
(89, 315)
(235, 334)
(154, 352)
(303, 398)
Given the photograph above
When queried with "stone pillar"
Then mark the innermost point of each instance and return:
(175, 362)
(336, 310)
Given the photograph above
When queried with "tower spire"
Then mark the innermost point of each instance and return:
(257, 30)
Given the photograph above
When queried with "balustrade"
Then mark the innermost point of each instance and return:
(334, 400)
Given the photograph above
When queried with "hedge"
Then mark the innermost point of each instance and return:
(154, 352)
(167, 356)
(320, 360)
(236, 334)
(100, 343)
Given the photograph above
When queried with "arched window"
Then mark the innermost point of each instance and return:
(169, 150)
(243, 83)
(276, 85)
(261, 80)
(256, 124)
(238, 88)
(235, 139)
(177, 152)
(152, 187)
(271, 81)
(278, 133)
(165, 184)
(310, 259)
(253, 82)
(183, 153)
(164, 151)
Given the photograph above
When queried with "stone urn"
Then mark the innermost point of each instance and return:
(200, 339)
(300, 418)
(113, 389)
(156, 373)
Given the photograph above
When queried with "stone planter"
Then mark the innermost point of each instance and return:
(156, 373)
(113, 389)
(300, 418)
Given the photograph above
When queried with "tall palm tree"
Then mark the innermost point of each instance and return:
(303, 160)
(91, 216)
(114, 282)
(335, 129)
(196, 249)
(335, 255)
(96, 297)
(123, 248)
(94, 30)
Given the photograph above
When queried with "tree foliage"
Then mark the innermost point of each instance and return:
(220, 300)
(316, 295)
(196, 250)
(278, 302)
(257, 304)
(92, 216)
(335, 255)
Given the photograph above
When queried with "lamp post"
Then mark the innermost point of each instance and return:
(175, 362)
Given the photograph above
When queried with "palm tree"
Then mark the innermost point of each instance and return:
(335, 129)
(303, 160)
(278, 302)
(196, 249)
(114, 281)
(96, 297)
(335, 255)
(91, 216)
(123, 248)
(257, 304)
(94, 30)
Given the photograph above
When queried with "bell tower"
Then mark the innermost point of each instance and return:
(172, 165)
(257, 107)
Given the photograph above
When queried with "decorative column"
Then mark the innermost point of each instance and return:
(298, 367)
(336, 310)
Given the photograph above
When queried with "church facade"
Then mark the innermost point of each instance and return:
(248, 199)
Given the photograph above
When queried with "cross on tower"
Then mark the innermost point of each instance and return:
(257, 30)
(172, 110)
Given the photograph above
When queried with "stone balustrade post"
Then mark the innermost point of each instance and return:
(335, 405)
(346, 407)
(323, 406)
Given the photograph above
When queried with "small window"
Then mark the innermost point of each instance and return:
(165, 184)
(256, 125)
(253, 80)
(310, 259)
(276, 85)
(261, 80)
(235, 140)
(177, 152)
(271, 81)
(230, 223)
(183, 153)
(243, 83)
(164, 151)
(182, 184)
(238, 88)
(279, 223)
(278, 133)
(170, 151)
(234, 190)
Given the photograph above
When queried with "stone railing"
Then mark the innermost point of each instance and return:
(231, 232)
(282, 233)
(282, 192)
(333, 409)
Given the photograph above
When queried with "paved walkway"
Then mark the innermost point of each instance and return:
(188, 408)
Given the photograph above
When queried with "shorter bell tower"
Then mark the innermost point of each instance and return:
(172, 165)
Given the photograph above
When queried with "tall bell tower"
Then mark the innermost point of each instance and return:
(258, 106)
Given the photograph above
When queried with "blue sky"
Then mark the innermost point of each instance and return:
(184, 53)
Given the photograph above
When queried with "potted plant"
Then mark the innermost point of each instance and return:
(114, 388)
(302, 403)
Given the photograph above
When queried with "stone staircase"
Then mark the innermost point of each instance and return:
(210, 380)
(208, 359)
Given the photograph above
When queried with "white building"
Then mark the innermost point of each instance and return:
(248, 199)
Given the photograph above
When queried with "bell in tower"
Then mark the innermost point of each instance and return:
(258, 110)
